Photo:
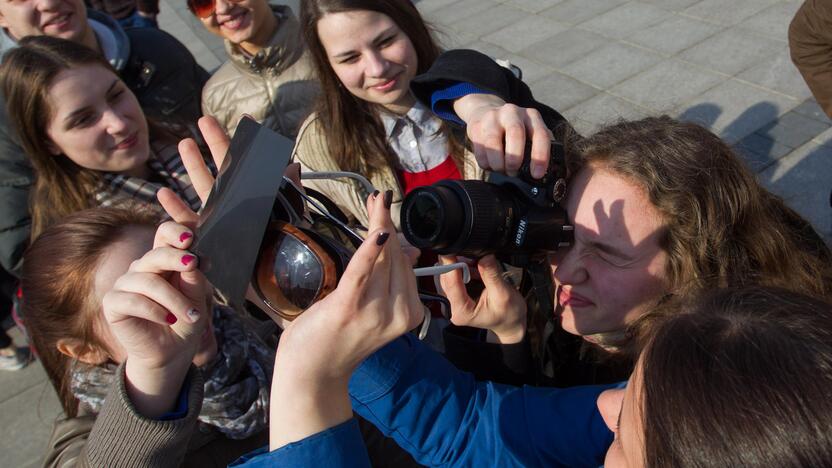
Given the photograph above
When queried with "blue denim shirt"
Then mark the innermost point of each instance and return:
(443, 417)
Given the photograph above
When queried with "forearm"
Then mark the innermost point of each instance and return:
(443, 417)
(301, 407)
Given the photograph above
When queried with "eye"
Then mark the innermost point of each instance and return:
(116, 94)
(387, 41)
(82, 121)
(349, 59)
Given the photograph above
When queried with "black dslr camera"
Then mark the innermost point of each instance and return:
(516, 218)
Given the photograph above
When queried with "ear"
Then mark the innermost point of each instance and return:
(77, 349)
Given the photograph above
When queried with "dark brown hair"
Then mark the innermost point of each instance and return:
(57, 281)
(353, 130)
(722, 227)
(741, 377)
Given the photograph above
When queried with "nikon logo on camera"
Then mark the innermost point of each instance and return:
(521, 232)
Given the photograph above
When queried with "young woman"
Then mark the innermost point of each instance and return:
(137, 351)
(268, 74)
(761, 358)
(84, 132)
(660, 208)
(366, 52)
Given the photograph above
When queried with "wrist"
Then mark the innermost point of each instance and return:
(153, 391)
(508, 335)
(471, 105)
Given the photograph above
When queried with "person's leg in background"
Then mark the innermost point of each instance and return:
(11, 357)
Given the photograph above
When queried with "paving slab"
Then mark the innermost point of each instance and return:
(458, 11)
(533, 6)
(778, 73)
(727, 13)
(578, 11)
(564, 48)
(489, 20)
(793, 129)
(525, 32)
(672, 5)
(674, 35)
(606, 66)
(804, 178)
(731, 51)
(531, 70)
(626, 19)
(761, 151)
(25, 425)
(561, 91)
(604, 109)
(773, 21)
(667, 85)
(743, 108)
(811, 108)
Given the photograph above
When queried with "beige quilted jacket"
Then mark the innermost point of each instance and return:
(277, 86)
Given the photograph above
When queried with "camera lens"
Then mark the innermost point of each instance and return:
(432, 217)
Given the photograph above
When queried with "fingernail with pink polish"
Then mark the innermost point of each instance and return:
(185, 236)
(170, 318)
(187, 259)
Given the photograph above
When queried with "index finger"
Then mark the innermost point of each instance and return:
(215, 137)
(198, 172)
(541, 144)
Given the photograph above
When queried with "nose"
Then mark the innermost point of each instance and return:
(222, 6)
(115, 122)
(47, 5)
(568, 266)
(377, 65)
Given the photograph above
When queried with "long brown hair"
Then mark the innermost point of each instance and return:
(722, 227)
(353, 130)
(740, 378)
(57, 281)
(26, 75)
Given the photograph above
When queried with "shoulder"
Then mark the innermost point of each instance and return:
(157, 45)
(311, 148)
(224, 81)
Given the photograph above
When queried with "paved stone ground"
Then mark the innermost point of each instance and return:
(724, 64)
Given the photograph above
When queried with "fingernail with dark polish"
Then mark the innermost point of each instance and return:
(193, 314)
(388, 198)
(382, 238)
(187, 259)
(170, 318)
(185, 236)
(375, 193)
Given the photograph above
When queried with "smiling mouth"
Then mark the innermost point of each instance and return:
(234, 22)
(387, 85)
(58, 21)
(128, 142)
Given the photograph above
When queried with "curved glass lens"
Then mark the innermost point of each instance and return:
(298, 271)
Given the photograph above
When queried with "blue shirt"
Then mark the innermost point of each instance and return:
(443, 417)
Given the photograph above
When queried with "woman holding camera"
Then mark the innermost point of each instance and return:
(84, 131)
(366, 54)
(660, 209)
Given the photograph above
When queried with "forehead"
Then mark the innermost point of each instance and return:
(136, 241)
(344, 30)
(73, 87)
(611, 207)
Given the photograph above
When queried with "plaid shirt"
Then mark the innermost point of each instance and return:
(165, 163)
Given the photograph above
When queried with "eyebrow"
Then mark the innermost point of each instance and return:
(376, 40)
(74, 114)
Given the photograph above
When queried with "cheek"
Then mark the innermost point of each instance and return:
(350, 76)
